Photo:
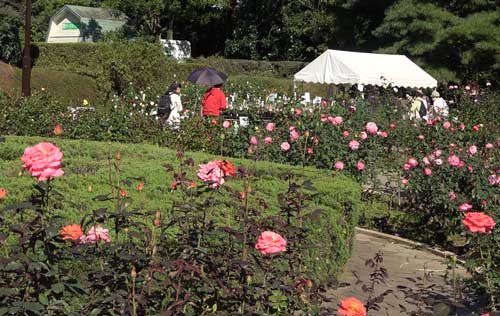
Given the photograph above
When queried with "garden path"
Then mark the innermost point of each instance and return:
(402, 261)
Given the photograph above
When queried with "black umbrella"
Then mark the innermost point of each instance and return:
(208, 76)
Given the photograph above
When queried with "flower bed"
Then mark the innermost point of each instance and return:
(137, 229)
(438, 166)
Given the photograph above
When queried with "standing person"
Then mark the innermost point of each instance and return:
(174, 92)
(213, 101)
(439, 104)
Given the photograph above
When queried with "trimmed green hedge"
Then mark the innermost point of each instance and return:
(86, 166)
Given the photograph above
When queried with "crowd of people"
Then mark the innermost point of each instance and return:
(412, 104)
(170, 105)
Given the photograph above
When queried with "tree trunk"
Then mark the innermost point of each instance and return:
(26, 77)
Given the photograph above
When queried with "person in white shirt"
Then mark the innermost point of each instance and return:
(439, 104)
(174, 118)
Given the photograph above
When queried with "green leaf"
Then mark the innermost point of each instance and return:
(42, 298)
(58, 287)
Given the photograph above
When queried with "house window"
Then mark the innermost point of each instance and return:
(70, 26)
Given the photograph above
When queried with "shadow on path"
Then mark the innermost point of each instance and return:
(405, 266)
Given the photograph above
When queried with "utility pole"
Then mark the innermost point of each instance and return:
(26, 89)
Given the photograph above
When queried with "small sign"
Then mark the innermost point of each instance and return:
(70, 26)
(244, 121)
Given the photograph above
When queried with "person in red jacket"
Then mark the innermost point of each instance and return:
(213, 101)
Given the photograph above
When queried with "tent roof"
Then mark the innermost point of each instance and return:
(337, 67)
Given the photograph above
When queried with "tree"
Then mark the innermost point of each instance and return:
(10, 22)
(278, 30)
(473, 46)
(414, 29)
(10, 45)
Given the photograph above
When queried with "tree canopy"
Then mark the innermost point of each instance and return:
(452, 38)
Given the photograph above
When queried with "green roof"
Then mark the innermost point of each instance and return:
(96, 13)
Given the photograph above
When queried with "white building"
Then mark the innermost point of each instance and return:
(83, 24)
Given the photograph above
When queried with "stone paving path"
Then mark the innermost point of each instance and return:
(404, 265)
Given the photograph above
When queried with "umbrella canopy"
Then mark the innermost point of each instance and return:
(208, 76)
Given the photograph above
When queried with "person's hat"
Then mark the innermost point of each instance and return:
(435, 94)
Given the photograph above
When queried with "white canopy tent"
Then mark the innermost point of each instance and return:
(339, 67)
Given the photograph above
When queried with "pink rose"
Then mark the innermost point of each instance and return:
(488, 146)
(211, 173)
(354, 145)
(330, 119)
(492, 179)
(268, 140)
(478, 222)
(95, 234)
(298, 112)
(453, 145)
(43, 161)
(437, 153)
(426, 161)
(469, 168)
(310, 151)
(291, 128)
(465, 207)
(269, 242)
(461, 126)
(413, 162)
(337, 120)
(339, 165)
(363, 135)
(345, 134)
(285, 146)
(226, 124)
(461, 164)
(421, 137)
(438, 162)
(454, 161)
(404, 182)
(406, 167)
(324, 118)
(476, 127)
(253, 140)
(294, 135)
(472, 150)
(452, 196)
(360, 165)
(371, 128)
(383, 134)
(324, 103)
(427, 171)
(270, 127)
(446, 125)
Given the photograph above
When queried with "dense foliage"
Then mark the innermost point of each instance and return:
(454, 40)
(159, 240)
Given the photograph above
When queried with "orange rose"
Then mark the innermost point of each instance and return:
(3, 193)
(123, 193)
(228, 168)
(478, 222)
(71, 232)
(57, 130)
(351, 306)
(140, 186)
